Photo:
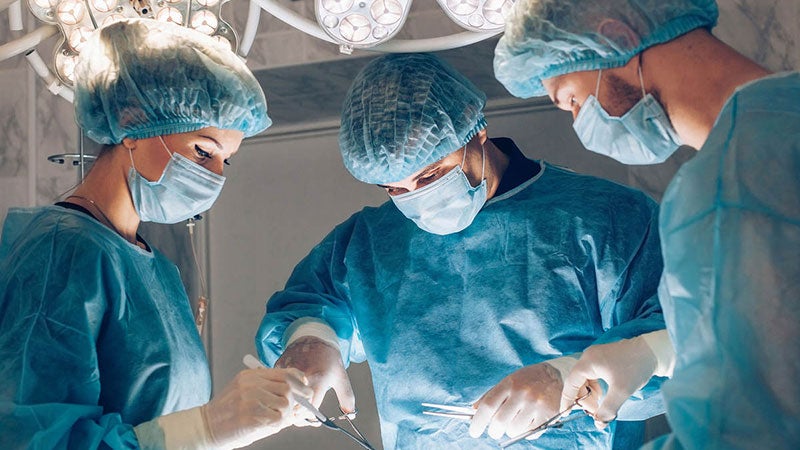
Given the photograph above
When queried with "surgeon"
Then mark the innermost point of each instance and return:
(98, 347)
(642, 77)
(478, 282)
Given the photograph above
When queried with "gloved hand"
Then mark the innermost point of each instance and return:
(322, 365)
(626, 366)
(522, 400)
(256, 404)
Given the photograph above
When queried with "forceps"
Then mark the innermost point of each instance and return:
(253, 363)
(466, 413)
(553, 422)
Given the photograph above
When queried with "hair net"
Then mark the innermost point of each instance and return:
(548, 38)
(404, 112)
(141, 78)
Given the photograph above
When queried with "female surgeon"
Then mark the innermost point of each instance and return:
(98, 347)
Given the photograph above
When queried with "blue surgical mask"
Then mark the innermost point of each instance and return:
(643, 135)
(184, 190)
(448, 205)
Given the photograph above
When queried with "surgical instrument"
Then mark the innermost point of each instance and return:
(554, 422)
(253, 363)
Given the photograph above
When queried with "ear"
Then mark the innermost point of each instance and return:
(129, 143)
(619, 33)
(481, 136)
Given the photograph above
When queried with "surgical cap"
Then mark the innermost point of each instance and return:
(141, 78)
(548, 38)
(404, 112)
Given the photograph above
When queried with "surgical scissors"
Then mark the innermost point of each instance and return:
(328, 422)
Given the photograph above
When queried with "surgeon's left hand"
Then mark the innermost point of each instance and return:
(522, 400)
(626, 366)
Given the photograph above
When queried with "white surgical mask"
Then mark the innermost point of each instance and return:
(448, 205)
(643, 135)
(184, 190)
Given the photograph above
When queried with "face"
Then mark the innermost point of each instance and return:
(208, 147)
(570, 91)
(433, 172)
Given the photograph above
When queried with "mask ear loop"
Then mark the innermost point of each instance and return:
(597, 88)
(169, 152)
(641, 78)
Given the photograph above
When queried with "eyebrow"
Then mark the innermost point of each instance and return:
(435, 166)
(219, 146)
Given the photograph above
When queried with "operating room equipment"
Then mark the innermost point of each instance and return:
(448, 411)
(556, 421)
(252, 362)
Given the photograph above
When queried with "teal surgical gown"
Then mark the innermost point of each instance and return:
(552, 266)
(730, 224)
(96, 335)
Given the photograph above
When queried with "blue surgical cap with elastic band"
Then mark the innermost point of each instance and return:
(547, 38)
(140, 78)
(405, 112)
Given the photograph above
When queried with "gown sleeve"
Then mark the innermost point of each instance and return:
(629, 306)
(316, 291)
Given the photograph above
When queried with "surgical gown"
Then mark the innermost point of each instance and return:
(558, 263)
(730, 224)
(96, 335)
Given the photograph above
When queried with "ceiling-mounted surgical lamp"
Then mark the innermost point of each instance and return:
(477, 15)
(361, 23)
(77, 20)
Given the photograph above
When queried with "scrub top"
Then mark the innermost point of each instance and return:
(96, 334)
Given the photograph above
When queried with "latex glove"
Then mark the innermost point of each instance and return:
(522, 400)
(323, 368)
(256, 404)
(626, 366)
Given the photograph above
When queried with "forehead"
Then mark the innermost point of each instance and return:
(579, 81)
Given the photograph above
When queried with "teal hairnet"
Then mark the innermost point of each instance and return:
(548, 38)
(141, 78)
(404, 112)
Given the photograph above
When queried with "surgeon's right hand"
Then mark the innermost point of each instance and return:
(256, 404)
(322, 365)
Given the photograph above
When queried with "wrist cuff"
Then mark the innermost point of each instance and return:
(564, 364)
(307, 326)
(661, 346)
(183, 430)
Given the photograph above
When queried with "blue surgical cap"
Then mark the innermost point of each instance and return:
(548, 38)
(141, 78)
(404, 112)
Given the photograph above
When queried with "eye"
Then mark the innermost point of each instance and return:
(227, 162)
(572, 101)
(202, 153)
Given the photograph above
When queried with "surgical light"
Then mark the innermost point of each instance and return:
(361, 23)
(170, 14)
(70, 12)
(104, 5)
(205, 22)
(477, 15)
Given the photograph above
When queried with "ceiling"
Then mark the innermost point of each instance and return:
(300, 96)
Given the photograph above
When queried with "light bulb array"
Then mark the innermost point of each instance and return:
(77, 20)
(361, 23)
(477, 15)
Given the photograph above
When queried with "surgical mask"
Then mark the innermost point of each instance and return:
(184, 190)
(643, 135)
(448, 205)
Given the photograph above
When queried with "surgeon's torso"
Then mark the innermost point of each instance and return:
(115, 315)
(445, 318)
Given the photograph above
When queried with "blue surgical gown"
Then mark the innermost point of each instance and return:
(730, 224)
(96, 335)
(548, 268)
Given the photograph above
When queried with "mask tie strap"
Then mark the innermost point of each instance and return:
(483, 166)
(130, 153)
(464, 158)
(597, 88)
(641, 78)
(165, 146)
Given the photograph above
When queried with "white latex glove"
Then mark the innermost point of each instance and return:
(626, 366)
(256, 404)
(321, 363)
(521, 401)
